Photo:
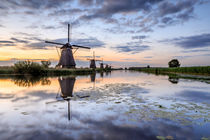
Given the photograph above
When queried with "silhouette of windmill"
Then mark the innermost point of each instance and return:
(93, 61)
(67, 59)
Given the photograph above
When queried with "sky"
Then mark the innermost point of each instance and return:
(123, 33)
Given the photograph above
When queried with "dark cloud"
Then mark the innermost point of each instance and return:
(36, 4)
(139, 37)
(169, 7)
(48, 27)
(89, 42)
(111, 7)
(37, 45)
(191, 42)
(19, 40)
(29, 12)
(86, 2)
(3, 41)
(160, 13)
(196, 50)
(69, 11)
(147, 13)
(133, 48)
(32, 26)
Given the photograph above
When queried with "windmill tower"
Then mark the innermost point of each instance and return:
(93, 61)
(67, 58)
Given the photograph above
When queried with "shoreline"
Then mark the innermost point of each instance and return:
(196, 70)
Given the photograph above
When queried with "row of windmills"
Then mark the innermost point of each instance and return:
(66, 59)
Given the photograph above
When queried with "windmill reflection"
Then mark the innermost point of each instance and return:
(66, 92)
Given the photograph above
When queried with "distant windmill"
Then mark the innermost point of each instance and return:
(93, 61)
(67, 58)
(102, 64)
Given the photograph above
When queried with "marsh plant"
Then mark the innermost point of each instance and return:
(28, 67)
(46, 64)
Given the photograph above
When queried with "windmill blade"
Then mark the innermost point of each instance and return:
(54, 43)
(80, 46)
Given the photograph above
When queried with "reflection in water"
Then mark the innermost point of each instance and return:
(101, 74)
(67, 86)
(28, 81)
(93, 77)
(132, 106)
(173, 79)
(108, 73)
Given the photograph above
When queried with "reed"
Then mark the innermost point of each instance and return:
(203, 70)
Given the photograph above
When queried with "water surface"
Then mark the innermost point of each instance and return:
(116, 105)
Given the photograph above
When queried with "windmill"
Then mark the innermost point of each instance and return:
(93, 61)
(102, 64)
(67, 58)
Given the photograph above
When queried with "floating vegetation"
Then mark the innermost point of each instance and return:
(164, 138)
(204, 138)
(25, 113)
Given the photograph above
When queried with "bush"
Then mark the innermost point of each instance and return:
(28, 67)
(46, 64)
(173, 63)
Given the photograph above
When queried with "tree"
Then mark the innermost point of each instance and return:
(174, 63)
(46, 64)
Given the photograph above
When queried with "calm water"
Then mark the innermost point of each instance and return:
(117, 105)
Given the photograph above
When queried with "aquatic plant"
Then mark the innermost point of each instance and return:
(46, 64)
(28, 67)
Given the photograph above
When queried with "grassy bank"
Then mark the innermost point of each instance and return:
(51, 71)
(199, 70)
(78, 71)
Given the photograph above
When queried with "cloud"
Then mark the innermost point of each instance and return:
(3, 41)
(35, 4)
(68, 11)
(196, 50)
(169, 7)
(87, 42)
(191, 42)
(19, 40)
(131, 47)
(139, 37)
(147, 14)
(160, 13)
(48, 27)
(86, 2)
(148, 57)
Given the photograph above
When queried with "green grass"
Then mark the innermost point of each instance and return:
(199, 70)
(35, 69)
(6, 70)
